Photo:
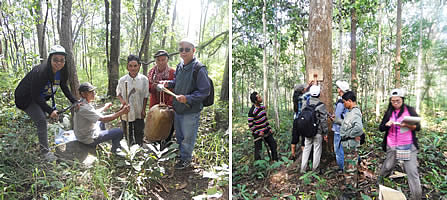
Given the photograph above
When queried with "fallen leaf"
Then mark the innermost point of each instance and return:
(397, 174)
(181, 186)
(368, 174)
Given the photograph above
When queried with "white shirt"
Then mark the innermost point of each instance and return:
(141, 85)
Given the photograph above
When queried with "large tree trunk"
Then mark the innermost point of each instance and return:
(65, 37)
(264, 55)
(225, 89)
(113, 67)
(319, 56)
(354, 81)
(398, 39)
(419, 67)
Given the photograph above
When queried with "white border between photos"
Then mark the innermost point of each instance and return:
(230, 112)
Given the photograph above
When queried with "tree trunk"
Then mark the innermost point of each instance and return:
(264, 55)
(65, 38)
(354, 81)
(419, 67)
(165, 31)
(145, 45)
(106, 16)
(113, 67)
(275, 83)
(340, 38)
(40, 25)
(379, 66)
(174, 15)
(225, 89)
(398, 39)
(202, 25)
(319, 56)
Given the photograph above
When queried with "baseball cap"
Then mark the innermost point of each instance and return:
(314, 90)
(398, 92)
(86, 87)
(161, 53)
(189, 41)
(343, 85)
(58, 49)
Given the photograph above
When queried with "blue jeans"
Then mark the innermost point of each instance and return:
(114, 134)
(338, 148)
(186, 127)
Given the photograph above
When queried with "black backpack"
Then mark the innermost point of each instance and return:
(307, 121)
(209, 100)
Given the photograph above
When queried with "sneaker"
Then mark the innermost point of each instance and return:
(182, 164)
(49, 157)
(119, 152)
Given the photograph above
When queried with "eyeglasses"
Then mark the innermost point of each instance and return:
(58, 61)
(395, 101)
(184, 49)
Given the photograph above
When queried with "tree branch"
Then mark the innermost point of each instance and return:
(199, 47)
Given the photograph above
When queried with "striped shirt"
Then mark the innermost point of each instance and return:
(257, 120)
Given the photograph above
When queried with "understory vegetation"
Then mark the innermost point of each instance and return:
(281, 180)
(142, 174)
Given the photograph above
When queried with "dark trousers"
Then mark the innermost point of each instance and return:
(114, 134)
(270, 142)
(296, 136)
(136, 131)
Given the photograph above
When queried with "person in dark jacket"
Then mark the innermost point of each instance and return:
(40, 85)
(400, 141)
(300, 95)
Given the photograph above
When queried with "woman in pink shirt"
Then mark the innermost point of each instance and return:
(400, 142)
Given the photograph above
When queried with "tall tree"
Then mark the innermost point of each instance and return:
(379, 83)
(147, 34)
(65, 36)
(275, 82)
(165, 31)
(398, 40)
(354, 82)
(340, 40)
(419, 67)
(113, 67)
(319, 53)
(40, 25)
(225, 90)
(174, 16)
(264, 55)
(106, 16)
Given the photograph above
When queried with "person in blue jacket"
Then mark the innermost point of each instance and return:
(191, 91)
(340, 111)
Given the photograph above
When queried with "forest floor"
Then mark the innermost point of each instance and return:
(142, 173)
(265, 179)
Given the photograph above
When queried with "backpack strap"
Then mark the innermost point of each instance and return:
(197, 67)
